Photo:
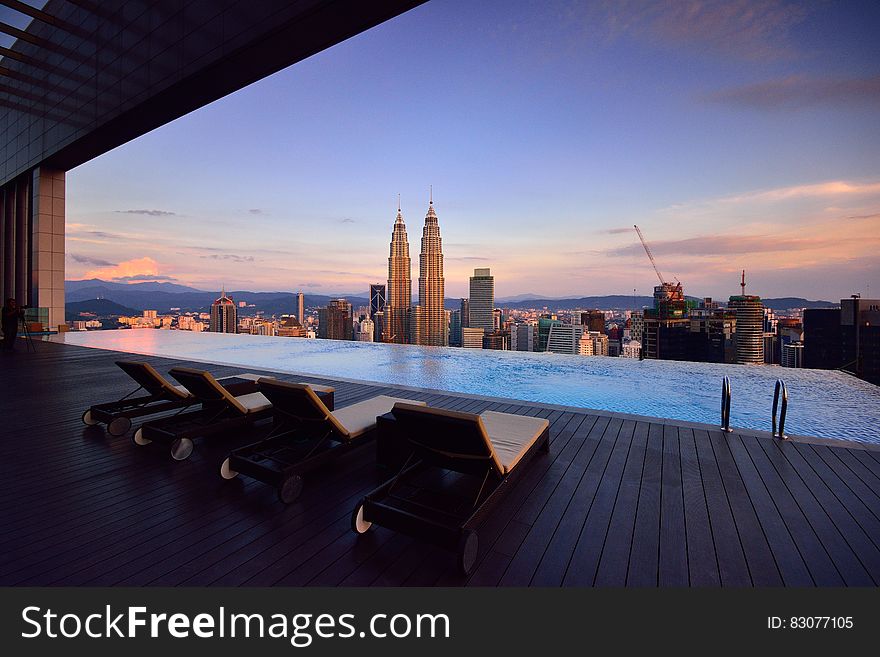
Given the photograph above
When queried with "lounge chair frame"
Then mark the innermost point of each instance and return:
(295, 446)
(117, 415)
(215, 416)
(450, 527)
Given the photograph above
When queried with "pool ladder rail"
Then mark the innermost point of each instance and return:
(725, 404)
(780, 392)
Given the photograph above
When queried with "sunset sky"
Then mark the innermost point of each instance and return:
(738, 135)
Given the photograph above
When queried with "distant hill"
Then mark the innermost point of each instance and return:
(784, 303)
(608, 302)
(629, 302)
(147, 286)
(162, 297)
(99, 307)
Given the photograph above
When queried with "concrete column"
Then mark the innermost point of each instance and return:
(8, 254)
(2, 244)
(47, 245)
(22, 233)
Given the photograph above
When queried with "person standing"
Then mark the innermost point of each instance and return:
(11, 315)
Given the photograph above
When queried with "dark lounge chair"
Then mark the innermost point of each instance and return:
(233, 404)
(491, 449)
(305, 435)
(160, 396)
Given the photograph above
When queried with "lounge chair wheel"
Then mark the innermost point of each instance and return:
(290, 489)
(358, 524)
(181, 449)
(468, 547)
(119, 426)
(87, 418)
(225, 471)
(139, 439)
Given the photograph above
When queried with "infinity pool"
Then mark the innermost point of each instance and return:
(821, 403)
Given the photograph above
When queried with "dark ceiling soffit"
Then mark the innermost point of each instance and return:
(327, 25)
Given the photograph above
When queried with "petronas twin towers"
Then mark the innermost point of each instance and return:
(424, 324)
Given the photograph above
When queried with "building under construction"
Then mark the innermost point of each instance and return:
(666, 325)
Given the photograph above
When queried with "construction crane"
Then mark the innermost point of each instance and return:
(650, 255)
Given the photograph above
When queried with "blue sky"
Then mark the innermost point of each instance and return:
(736, 134)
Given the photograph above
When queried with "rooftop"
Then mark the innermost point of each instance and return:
(619, 500)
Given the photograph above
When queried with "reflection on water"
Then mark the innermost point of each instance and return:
(821, 403)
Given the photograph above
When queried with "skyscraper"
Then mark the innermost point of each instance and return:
(365, 330)
(334, 321)
(523, 337)
(399, 299)
(431, 318)
(224, 315)
(377, 298)
(749, 326)
(455, 329)
(593, 320)
(482, 300)
(300, 308)
(564, 338)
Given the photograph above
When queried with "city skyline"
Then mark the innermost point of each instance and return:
(756, 150)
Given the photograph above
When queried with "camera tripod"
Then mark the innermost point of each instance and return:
(29, 339)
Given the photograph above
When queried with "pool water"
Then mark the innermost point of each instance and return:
(822, 403)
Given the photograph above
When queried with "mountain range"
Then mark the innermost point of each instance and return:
(136, 297)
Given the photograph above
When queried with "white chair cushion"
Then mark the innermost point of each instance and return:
(254, 402)
(512, 435)
(183, 389)
(246, 375)
(318, 388)
(359, 418)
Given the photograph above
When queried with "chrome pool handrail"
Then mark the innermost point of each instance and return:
(780, 387)
(725, 404)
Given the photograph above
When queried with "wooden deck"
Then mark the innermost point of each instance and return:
(616, 502)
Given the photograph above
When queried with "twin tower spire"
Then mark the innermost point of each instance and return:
(424, 324)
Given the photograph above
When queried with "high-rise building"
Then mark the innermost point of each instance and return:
(334, 321)
(712, 335)
(497, 319)
(365, 331)
(860, 337)
(749, 326)
(301, 308)
(377, 298)
(822, 338)
(666, 339)
(631, 349)
(399, 292)
(455, 328)
(545, 324)
(431, 317)
(472, 338)
(593, 320)
(465, 313)
(637, 326)
(792, 354)
(585, 344)
(498, 340)
(224, 315)
(378, 326)
(600, 343)
(565, 338)
(482, 300)
(523, 337)
(290, 327)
